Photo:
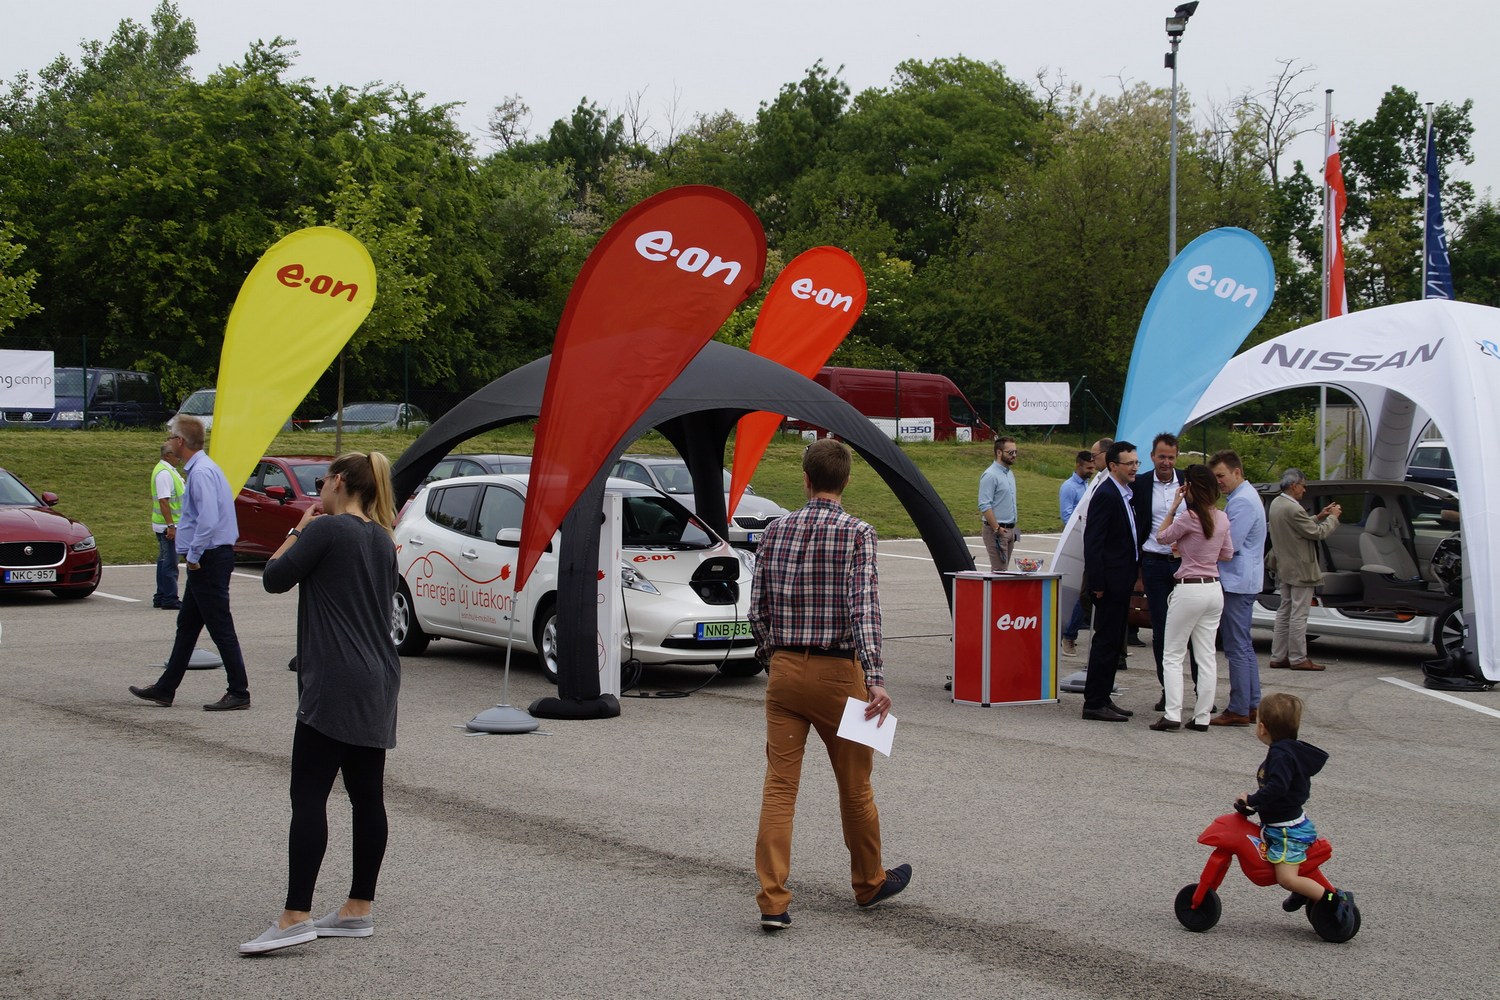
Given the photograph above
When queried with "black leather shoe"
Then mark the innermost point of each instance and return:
(151, 694)
(896, 879)
(1161, 704)
(1105, 714)
(1123, 711)
(1135, 640)
(228, 703)
(1165, 725)
(1195, 727)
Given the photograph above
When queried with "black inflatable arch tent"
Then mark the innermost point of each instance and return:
(696, 413)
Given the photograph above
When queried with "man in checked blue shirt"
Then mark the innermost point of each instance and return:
(205, 535)
(815, 614)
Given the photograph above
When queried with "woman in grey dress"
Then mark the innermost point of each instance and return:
(348, 675)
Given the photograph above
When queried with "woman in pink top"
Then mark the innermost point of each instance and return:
(1201, 537)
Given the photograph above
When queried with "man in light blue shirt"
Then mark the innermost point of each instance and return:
(1241, 578)
(1068, 496)
(997, 505)
(205, 535)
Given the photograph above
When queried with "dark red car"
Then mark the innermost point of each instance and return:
(41, 549)
(273, 499)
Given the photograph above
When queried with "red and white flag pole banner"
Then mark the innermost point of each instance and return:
(807, 313)
(655, 290)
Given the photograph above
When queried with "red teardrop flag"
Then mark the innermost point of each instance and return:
(655, 289)
(807, 313)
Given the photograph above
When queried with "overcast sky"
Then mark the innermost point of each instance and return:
(707, 57)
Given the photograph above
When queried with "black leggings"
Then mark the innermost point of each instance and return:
(315, 760)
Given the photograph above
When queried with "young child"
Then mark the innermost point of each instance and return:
(1285, 780)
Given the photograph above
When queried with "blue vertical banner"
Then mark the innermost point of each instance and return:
(1203, 308)
(1437, 280)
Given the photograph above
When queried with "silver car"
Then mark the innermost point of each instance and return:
(747, 523)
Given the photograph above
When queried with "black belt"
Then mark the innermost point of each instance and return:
(1199, 579)
(1006, 524)
(1158, 555)
(835, 651)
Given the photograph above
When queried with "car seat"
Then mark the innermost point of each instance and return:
(1382, 551)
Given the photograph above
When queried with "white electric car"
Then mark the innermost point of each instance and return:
(686, 590)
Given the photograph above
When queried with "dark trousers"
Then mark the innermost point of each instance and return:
(205, 604)
(1158, 577)
(1110, 612)
(316, 759)
(166, 572)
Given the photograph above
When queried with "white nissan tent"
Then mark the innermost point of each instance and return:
(1405, 364)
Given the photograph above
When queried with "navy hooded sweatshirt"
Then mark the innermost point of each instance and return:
(1285, 779)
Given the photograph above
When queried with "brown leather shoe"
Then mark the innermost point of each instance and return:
(1228, 718)
(1307, 665)
(1279, 664)
(1254, 716)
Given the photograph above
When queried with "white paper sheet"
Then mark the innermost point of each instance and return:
(854, 726)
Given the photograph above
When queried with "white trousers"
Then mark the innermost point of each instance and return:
(1193, 613)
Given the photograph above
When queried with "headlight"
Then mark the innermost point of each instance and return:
(87, 545)
(632, 579)
(747, 560)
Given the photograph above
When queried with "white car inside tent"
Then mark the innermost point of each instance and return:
(1413, 361)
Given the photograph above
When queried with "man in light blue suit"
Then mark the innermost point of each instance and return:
(1241, 578)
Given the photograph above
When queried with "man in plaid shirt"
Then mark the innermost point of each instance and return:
(815, 613)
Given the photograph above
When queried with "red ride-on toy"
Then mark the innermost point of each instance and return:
(1233, 836)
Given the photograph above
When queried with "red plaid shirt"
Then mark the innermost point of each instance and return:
(816, 584)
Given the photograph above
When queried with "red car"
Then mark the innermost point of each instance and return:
(41, 549)
(273, 499)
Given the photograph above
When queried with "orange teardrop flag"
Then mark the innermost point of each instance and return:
(299, 306)
(807, 313)
(655, 289)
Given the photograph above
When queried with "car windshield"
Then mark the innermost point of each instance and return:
(306, 474)
(13, 492)
(654, 522)
(675, 478)
(370, 411)
(69, 382)
(199, 404)
(1432, 458)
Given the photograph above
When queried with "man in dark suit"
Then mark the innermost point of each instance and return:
(1154, 491)
(1111, 546)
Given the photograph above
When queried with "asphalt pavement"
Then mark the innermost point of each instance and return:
(139, 845)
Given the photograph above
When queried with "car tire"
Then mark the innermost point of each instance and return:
(406, 631)
(544, 638)
(1448, 630)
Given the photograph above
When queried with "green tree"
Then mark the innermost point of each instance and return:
(1384, 160)
(15, 286)
(1475, 255)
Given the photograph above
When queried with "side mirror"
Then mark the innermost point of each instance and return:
(510, 538)
(49, 498)
(278, 493)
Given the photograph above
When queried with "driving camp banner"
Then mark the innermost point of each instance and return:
(297, 309)
(806, 315)
(652, 293)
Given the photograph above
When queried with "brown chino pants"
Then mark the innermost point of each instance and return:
(806, 691)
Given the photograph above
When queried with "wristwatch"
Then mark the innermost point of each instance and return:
(294, 533)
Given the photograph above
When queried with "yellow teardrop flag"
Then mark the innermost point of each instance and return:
(298, 308)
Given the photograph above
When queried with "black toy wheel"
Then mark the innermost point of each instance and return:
(1205, 916)
(1332, 925)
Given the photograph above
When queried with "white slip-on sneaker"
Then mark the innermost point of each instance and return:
(332, 925)
(276, 937)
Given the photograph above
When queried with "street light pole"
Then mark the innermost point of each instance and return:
(1176, 25)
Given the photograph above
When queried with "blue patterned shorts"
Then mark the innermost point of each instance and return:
(1287, 845)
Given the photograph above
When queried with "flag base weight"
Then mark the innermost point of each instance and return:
(503, 719)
